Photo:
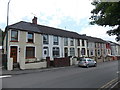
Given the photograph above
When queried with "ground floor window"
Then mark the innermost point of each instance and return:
(98, 52)
(30, 52)
(56, 52)
(83, 51)
(91, 52)
(72, 52)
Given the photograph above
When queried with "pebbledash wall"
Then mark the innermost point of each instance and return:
(21, 46)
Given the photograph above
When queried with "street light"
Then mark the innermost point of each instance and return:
(8, 12)
(7, 32)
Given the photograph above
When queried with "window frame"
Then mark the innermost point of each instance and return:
(83, 42)
(33, 52)
(83, 51)
(14, 37)
(71, 42)
(55, 42)
(46, 41)
(91, 52)
(72, 53)
(32, 37)
(78, 42)
(54, 50)
(65, 41)
(99, 52)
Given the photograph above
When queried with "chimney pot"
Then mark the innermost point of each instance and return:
(34, 20)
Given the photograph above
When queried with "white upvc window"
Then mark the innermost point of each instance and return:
(45, 39)
(71, 42)
(65, 41)
(55, 40)
(72, 51)
(56, 52)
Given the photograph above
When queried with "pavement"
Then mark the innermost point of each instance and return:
(17, 71)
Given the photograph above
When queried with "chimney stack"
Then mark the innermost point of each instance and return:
(34, 20)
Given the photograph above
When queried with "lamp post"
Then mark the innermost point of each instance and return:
(7, 33)
(8, 12)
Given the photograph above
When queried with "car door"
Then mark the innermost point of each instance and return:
(89, 62)
(92, 62)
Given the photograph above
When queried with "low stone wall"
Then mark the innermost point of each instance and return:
(36, 65)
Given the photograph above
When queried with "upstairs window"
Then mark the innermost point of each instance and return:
(65, 41)
(71, 42)
(45, 39)
(83, 43)
(14, 35)
(78, 42)
(55, 40)
(30, 37)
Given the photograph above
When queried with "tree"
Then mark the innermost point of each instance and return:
(107, 14)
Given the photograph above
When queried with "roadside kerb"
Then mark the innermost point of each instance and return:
(19, 72)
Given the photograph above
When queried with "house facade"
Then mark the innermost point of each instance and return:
(29, 42)
(96, 48)
(58, 46)
(23, 47)
(115, 48)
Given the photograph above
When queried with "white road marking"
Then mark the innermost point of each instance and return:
(108, 84)
(5, 76)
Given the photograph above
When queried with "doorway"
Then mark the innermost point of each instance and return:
(66, 52)
(13, 53)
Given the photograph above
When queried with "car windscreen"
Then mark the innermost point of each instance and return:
(82, 59)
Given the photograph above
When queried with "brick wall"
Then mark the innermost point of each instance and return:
(61, 62)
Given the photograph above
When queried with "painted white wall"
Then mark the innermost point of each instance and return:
(50, 46)
(61, 46)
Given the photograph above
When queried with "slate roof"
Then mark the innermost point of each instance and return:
(113, 43)
(26, 26)
(94, 39)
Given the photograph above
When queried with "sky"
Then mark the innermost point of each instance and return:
(71, 15)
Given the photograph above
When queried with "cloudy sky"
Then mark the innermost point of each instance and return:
(72, 15)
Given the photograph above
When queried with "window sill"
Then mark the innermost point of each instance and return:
(30, 58)
(30, 42)
(13, 41)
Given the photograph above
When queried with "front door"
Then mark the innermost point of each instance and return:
(66, 52)
(78, 52)
(13, 53)
(45, 52)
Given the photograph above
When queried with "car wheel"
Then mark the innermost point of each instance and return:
(95, 65)
(87, 66)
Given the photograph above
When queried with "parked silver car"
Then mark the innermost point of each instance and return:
(87, 62)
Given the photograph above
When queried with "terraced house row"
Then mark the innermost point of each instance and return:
(28, 44)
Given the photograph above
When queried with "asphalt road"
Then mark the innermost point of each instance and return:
(73, 77)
